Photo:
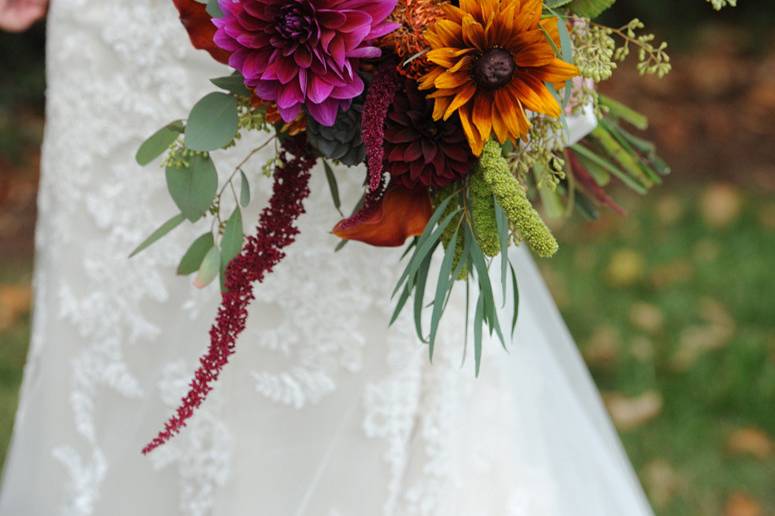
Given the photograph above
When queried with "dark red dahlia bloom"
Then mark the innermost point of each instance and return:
(303, 53)
(419, 150)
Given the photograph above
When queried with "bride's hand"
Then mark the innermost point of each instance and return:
(18, 15)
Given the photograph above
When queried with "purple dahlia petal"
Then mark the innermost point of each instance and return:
(290, 95)
(325, 112)
(299, 52)
(319, 90)
(382, 30)
(349, 90)
(365, 52)
(290, 114)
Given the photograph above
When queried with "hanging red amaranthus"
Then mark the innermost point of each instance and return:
(382, 91)
(276, 230)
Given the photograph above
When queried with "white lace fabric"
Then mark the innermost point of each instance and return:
(324, 411)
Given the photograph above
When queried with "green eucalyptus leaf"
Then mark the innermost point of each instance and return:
(159, 233)
(233, 236)
(244, 190)
(212, 123)
(158, 142)
(193, 187)
(193, 258)
(234, 83)
(209, 268)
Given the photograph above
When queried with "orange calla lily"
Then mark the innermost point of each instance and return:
(200, 28)
(398, 215)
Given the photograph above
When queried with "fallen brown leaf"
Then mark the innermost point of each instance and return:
(661, 481)
(14, 303)
(602, 347)
(625, 268)
(647, 317)
(740, 504)
(720, 205)
(631, 412)
(750, 441)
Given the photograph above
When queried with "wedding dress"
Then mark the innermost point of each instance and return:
(323, 411)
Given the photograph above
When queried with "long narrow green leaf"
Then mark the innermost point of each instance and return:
(402, 299)
(503, 238)
(443, 287)
(467, 320)
(614, 130)
(333, 187)
(411, 246)
(425, 234)
(624, 112)
(515, 291)
(424, 247)
(610, 167)
(627, 158)
(478, 322)
(159, 233)
(419, 295)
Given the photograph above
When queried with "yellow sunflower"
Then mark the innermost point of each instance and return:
(492, 60)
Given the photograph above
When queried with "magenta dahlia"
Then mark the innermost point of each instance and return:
(303, 53)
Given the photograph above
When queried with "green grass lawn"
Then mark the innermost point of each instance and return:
(673, 308)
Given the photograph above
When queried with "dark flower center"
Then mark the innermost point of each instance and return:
(293, 24)
(494, 69)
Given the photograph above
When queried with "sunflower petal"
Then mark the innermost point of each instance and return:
(473, 33)
(449, 80)
(462, 98)
(529, 15)
(472, 134)
(440, 106)
(556, 71)
(482, 115)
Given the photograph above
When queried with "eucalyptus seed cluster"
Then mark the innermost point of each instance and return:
(545, 139)
(178, 155)
(593, 50)
(652, 59)
(720, 4)
(251, 118)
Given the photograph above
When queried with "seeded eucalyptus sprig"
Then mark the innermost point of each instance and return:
(216, 122)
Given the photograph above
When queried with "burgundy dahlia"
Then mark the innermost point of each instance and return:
(419, 150)
(303, 53)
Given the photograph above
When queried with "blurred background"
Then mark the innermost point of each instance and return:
(673, 306)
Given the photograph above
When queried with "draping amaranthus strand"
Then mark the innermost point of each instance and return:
(261, 253)
(382, 91)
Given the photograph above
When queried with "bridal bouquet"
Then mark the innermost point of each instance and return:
(459, 112)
